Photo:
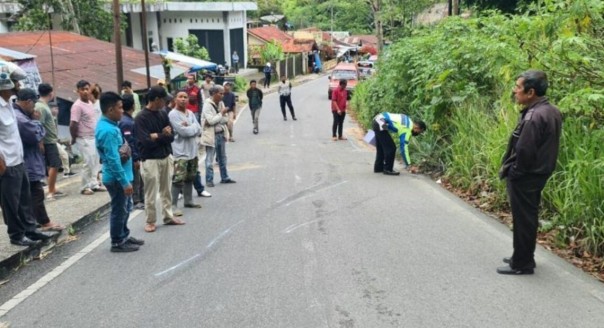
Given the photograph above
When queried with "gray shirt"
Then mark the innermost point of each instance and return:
(11, 148)
(48, 122)
(186, 130)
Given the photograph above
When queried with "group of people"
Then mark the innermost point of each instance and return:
(156, 152)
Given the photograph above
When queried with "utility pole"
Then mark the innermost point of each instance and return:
(455, 8)
(117, 39)
(145, 42)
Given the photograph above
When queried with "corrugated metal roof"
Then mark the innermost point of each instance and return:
(78, 57)
(10, 55)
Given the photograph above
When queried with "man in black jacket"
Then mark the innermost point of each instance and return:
(529, 161)
(154, 140)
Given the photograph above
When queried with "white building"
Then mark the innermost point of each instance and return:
(221, 27)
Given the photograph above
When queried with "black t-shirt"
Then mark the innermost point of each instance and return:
(229, 101)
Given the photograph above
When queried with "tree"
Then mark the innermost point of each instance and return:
(87, 17)
(506, 6)
(190, 47)
(272, 52)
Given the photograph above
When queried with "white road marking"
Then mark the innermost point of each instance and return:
(296, 226)
(32, 289)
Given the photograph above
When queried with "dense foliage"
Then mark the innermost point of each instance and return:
(458, 76)
(87, 17)
(189, 46)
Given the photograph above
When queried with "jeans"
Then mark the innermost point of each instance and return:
(118, 220)
(220, 153)
(283, 100)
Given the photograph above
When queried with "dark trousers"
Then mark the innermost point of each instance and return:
(525, 196)
(338, 124)
(15, 199)
(118, 219)
(138, 196)
(199, 187)
(37, 202)
(287, 100)
(267, 80)
(385, 150)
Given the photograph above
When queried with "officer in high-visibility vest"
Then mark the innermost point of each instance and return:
(402, 125)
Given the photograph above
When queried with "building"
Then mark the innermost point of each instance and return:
(220, 27)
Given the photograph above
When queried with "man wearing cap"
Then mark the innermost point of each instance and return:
(15, 197)
(154, 138)
(32, 133)
(231, 105)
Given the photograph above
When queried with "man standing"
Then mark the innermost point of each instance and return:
(206, 86)
(267, 75)
(117, 172)
(15, 197)
(529, 161)
(231, 105)
(194, 94)
(254, 96)
(126, 125)
(402, 125)
(154, 139)
(184, 148)
(82, 125)
(285, 97)
(127, 90)
(51, 150)
(339, 100)
(214, 120)
(235, 60)
(32, 133)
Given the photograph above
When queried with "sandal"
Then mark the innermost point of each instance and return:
(87, 192)
(150, 227)
(52, 226)
(177, 213)
(342, 138)
(100, 188)
(174, 221)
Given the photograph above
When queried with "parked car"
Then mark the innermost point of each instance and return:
(343, 71)
(365, 69)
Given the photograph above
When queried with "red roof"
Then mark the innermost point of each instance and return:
(289, 44)
(270, 33)
(78, 57)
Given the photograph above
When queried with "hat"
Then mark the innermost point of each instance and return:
(27, 94)
(227, 83)
(268, 64)
(15, 72)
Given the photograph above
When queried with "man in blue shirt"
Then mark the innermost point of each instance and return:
(126, 125)
(117, 172)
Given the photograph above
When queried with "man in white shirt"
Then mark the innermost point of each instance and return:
(285, 97)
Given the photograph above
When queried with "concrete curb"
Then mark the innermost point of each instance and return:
(26, 255)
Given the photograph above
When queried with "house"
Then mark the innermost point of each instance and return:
(220, 27)
(260, 36)
(76, 57)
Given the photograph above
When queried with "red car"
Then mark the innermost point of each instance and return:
(343, 71)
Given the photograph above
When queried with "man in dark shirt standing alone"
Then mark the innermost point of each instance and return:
(529, 161)
(254, 96)
(154, 137)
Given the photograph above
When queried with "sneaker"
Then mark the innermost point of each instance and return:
(294, 118)
(209, 184)
(255, 131)
(284, 118)
(139, 206)
(124, 247)
(135, 241)
(67, 175)
(204, 194)
(179, 196)
(228, 181)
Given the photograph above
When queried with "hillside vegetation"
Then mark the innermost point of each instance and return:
(458, 77)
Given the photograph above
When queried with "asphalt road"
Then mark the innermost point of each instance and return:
(310, 237)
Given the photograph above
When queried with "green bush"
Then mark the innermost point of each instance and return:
(458, 77)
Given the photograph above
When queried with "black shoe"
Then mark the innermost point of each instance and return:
(24, 242)
(209, 184)
(294, 118)
(135, 241)
(68, 174)
(124, 247)
(391, 172)
(509, 270)
(284, 118)
(255, 131)
(507, 260)
(377, 171)
(37, 235)
(228, 181)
